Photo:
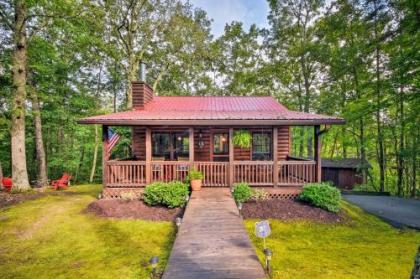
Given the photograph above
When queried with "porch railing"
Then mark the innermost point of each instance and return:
(216, 174)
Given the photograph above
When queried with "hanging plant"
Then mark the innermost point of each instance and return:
(242, 139)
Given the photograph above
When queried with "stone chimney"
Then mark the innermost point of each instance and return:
(141, 91)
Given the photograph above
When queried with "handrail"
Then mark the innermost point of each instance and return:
(256, 173)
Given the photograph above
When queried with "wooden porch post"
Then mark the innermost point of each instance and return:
(191, 146)
(275, 157)
(317, 153)
(231, 158)
(148, 155)
(104, 154)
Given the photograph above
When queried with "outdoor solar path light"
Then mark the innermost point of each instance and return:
(239, 206)
(154, 262)
(268, 254)
(178, 221)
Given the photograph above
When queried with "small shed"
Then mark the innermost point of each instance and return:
(343, 173)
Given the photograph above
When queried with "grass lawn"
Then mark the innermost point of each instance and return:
(365, 248)
(51, 237)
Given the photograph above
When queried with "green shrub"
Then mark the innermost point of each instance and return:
(322, 195)
(259, 195)
(194, 174)
(241, 192)
(365, 188)
(172, 194)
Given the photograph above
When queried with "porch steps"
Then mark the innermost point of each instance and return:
(212, 241)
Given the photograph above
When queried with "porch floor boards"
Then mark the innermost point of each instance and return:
(212, 241)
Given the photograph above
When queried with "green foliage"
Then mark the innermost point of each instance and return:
(242, 138)
(194, 174)
(322, 195)
(241, 192)
(172, 194)
(259, 194)
(365, 188)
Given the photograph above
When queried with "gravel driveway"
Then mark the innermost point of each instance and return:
(400, 212)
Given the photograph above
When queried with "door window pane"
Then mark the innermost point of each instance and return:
(261, 146)
(181, 144)
(221, 144)
(161, 144)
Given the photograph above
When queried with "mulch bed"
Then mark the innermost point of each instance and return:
(134, 209)
(289, 210)
(7, 199)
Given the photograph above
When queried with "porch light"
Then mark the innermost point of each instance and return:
(268, 254)
(178, 221)
(179, 138)
(200, 140)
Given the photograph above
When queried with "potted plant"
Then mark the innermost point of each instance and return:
(242, 139)
(195, 177)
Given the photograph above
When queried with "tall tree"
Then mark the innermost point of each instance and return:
(42, 177)
(134, 25)
(19, 71)
(240, 59)
(293, 43)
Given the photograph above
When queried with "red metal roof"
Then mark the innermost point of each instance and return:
(210, 108)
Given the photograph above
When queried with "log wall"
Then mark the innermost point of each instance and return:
(205, 154)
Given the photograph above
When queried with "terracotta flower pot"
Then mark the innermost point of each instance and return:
(196, 184)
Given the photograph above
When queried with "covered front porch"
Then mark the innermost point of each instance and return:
(211, 150)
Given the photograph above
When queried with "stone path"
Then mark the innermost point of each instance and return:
(212, 241)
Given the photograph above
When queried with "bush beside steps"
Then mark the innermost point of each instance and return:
(322, 195)
(172, 194)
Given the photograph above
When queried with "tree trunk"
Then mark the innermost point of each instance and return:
(400, 157)
(42, 178)
(414, 164)
(131, 76)
(381, 156)
(17, 131)
(82, 156)
(1, 177)
(344, 147)
(95, 154)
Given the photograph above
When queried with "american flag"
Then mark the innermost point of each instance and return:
(113, 139)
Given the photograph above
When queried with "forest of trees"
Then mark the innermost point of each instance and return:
(63, 60)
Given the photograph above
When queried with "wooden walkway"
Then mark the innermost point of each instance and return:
(212, 241)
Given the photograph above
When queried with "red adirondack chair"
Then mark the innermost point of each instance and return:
(7, 184)
(62, 183)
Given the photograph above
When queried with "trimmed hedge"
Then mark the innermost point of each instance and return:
(172, 194)
(241, 192)
(322, 195)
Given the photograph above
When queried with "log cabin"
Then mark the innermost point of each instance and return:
(171, 135)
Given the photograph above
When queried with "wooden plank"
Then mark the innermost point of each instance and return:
(317, 156)
(212, 241)
(191, 144)
(231, 158)
(275, 157)
(148, 155)
(104, 155)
